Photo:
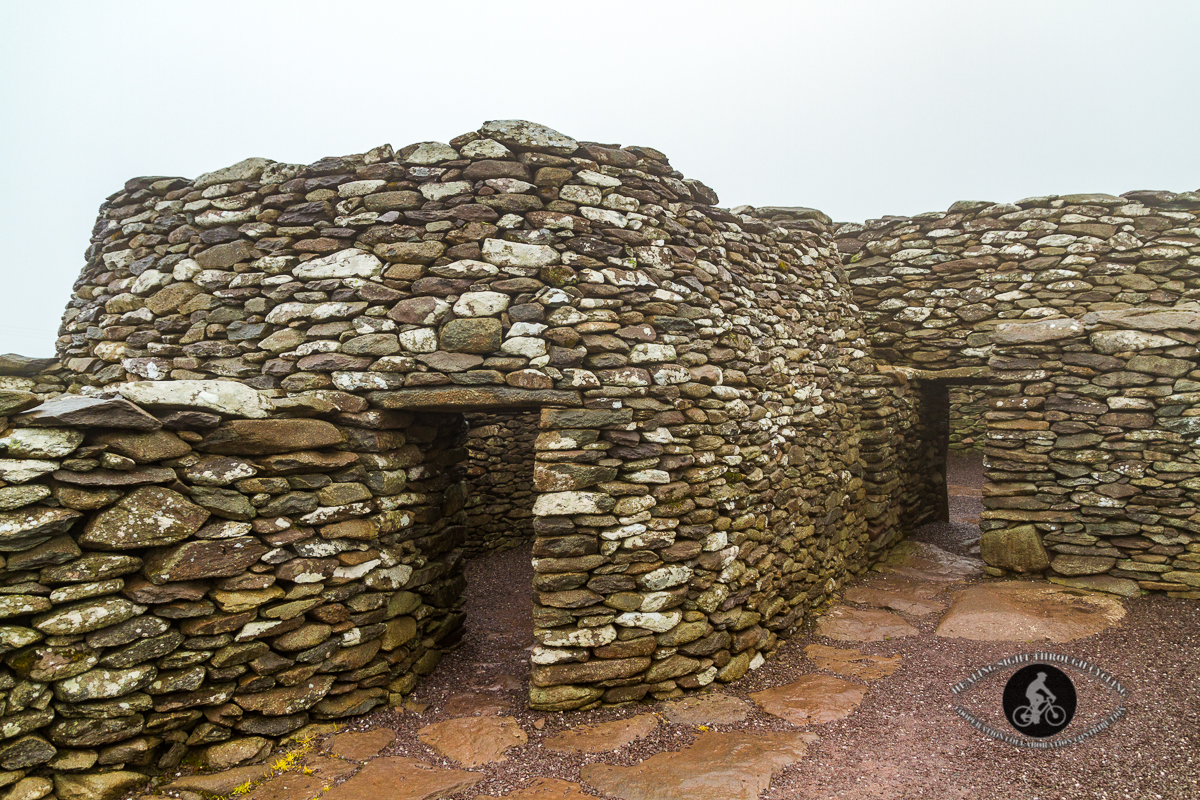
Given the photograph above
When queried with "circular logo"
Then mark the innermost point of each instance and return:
(1039, 700)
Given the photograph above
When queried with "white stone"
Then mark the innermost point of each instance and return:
(646, 352)
(214, 218)
(649, 476)
(655, 601)
(665, 577)
(526, 346)
(186, 270)
(24, 470)
(440, 191)
(431, 153)
(583, 195)
(360, 188)
(518, 254)
(466, 268)
(671, 374)
(481, 304)
(509, 185)
(222, 397)
(245, 170)
(554, 504)
(121, 259)
(149, 282)
(652, 621)
(349, 263)
(597, 179)
(577, 637)
(525, 329)
(41, 442)
(605, 216)
(529, 136)
(324, 311)
(485, 148)
(419, 340)
(1109, 342)
(392, 578)
(557, 655)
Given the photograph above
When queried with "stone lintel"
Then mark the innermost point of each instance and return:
(965, 375)
(473, 398)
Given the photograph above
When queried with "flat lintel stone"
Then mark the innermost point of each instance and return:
(457, 398)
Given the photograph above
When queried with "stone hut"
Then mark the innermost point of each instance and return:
(241, 499)
(1076, 320)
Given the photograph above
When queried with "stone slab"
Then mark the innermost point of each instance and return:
(847, 624)
(473, 741)
(732, 766)
(707, 709)
(852, 663)
(604, 736)
(1027, 611)
(811, 700)
(400, 778)
(474, 398)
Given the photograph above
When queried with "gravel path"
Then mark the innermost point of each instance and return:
(904, 741)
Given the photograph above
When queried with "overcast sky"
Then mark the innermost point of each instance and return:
(858, 108)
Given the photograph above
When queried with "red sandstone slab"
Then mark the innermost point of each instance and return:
(399, 778)
(811, 700)
(730, 766)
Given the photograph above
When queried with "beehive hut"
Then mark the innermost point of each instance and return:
(246, 502)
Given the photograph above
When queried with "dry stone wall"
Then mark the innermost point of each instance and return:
(714, 450)
(188, 565)
(968, 427)
(500, 481)
(1078, 315)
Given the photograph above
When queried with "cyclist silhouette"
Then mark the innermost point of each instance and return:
(1038, 696)
(1040, 699)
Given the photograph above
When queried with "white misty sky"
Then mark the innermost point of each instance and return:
(857, 108)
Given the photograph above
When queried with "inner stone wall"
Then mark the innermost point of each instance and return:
(968, 426)
(500, 481)
(1080, 311)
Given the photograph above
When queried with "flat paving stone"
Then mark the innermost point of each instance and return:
(812, 699)
(852, 663)
(473, 741)
(544, 789)
(400, 778)
(707, 709)
(927, 562)
(360, 745)
(476, 704)
(604, 736)
(893, 595)
(847, 624)
(331, 769)
(290, 786)
(731, 766)
(219, 783)
(1028, 611)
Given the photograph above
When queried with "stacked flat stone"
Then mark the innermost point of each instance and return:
(190, 565)
(968, 428)
(500, 481)
(697, 476)
(1091, 457)
(1076, 315)
(933, 286)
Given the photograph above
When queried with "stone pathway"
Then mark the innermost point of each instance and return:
(479, 744)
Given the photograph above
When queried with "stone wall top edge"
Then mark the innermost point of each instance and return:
(1171, 200)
